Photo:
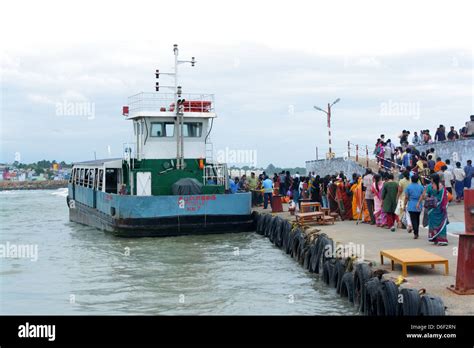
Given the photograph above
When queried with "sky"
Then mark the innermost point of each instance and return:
(394, 65)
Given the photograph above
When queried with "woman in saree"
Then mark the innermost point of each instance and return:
(436, 201)
(377, 190)
(359, 205)
(344, 200)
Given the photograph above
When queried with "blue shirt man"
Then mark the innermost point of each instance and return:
(268, 185)
(234, 186)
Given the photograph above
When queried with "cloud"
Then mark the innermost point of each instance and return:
(264, 102)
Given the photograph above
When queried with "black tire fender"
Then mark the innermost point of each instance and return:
(387, 298)
(431, 305)
(409, 304)
(347, 286)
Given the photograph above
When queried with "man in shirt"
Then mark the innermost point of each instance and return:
(469, 171)
(447, 178)
(439, 163)
(267, 192)
(406, 159)
(470, 127)
(453, 134)
(252, 185)
(387, 156)
(440, 134)
(459, 176)
(234, 185)
(416, 139)
(369, 195)
(448, 164)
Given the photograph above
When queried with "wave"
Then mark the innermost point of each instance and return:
(62, 192)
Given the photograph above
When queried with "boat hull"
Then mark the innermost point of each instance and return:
(161, 226)
(160, 216)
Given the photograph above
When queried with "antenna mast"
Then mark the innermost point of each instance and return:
(179, 107)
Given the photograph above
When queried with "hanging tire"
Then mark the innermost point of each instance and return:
(340, 269)
(260, 222)
(362, 274)
(267, 224)
(312, 260)
(273, 227)
(387, 298)
(321, 256)
(301, 248)
(279, 233)
(286, 236)
(295, 243)
(347, 286)
(371, 290)
(431, 305)
(410, 302)
(326, 272)
(307, 257)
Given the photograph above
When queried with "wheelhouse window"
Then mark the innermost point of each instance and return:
(192, 129)
(162, 129)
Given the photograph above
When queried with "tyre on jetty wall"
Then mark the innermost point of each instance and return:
(347, 286)
(371, 290)
(387, 297)
(362, 274)
(409, 304)
(364, 287)
(431, 305)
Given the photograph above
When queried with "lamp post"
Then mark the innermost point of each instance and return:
(328, 113)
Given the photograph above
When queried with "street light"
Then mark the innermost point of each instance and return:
(328, 113)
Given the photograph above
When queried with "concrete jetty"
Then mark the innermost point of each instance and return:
(373, 239)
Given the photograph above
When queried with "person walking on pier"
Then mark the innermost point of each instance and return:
(413, 192)
(376, 188)
(459, 176)
(469, 171)
(267, 192)
(369, 195)
(436, 201)
(389, 197)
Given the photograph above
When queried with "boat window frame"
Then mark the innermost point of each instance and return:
(82, 177)
(100, 184)
(163, 129)
(185, 124)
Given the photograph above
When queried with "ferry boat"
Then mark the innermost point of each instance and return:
(166, 184)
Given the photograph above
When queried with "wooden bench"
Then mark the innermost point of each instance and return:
(314, 216)
(411, 257)
(328, 219)
(327, 212)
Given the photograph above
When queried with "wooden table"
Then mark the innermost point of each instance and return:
(411, 257)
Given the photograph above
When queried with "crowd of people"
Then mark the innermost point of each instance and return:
(393, 197)
(410, 187)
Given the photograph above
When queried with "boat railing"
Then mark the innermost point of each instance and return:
(216, 174)
(165, 102)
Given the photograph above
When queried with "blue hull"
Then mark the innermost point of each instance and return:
(142, 216)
